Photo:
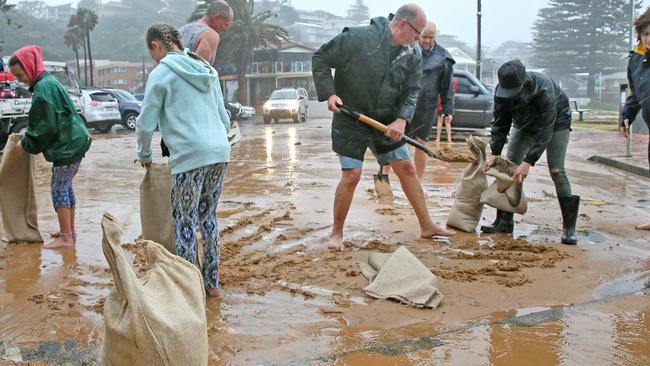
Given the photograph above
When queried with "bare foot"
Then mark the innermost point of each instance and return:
(213, 292)
(63, 241)
(643, 227)
(336, 242)
(436, 231)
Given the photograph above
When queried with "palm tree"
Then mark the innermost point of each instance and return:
(74, 39)
(86, 20)
(247, 32)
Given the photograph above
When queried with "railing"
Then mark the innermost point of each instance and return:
(278, 67)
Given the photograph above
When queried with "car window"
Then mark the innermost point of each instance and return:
(284, 94)
(102, 97)
(124, 96)
(464, 85)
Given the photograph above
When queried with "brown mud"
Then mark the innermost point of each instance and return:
(524, 300)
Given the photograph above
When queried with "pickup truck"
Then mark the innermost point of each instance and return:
(14, 106)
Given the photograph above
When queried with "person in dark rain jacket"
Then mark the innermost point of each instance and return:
(638, 76)
(533, 109)
(377, 72)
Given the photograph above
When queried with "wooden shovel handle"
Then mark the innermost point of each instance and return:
(372, 123)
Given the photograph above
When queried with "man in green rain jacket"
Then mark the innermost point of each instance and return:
(377, 72)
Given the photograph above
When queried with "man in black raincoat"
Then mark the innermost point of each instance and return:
(377, 72)
(532, 109)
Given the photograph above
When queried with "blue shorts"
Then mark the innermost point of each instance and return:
(401, 153)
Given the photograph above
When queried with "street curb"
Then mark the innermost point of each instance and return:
(620, 165)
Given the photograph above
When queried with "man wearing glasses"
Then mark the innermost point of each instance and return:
(378, 69)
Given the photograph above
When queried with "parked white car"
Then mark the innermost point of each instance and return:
(101, 110)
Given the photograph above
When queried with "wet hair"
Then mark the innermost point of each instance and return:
(166, 34)
(641, 23)
(405, 12)
(14, 61)
(219, 7)
(169, 37)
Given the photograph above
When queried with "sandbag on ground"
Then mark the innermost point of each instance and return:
(159, 319)
(465, 214)
(402, 277)
(156, 206)
(17, 197)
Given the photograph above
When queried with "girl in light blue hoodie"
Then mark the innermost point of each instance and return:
(184, 99)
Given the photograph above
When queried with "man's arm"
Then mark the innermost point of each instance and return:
(411, 91)
(330, 56)
(500, 125)
(207, 44)
(543, 128)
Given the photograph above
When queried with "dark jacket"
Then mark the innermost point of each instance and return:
(367, 81)
(437, 81)
(55, 128)
(540, 108)
(638, 76)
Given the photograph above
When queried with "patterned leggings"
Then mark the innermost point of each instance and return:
(194, 201)
(61, 185)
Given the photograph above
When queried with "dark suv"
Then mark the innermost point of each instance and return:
(474, 103)
(129, 106)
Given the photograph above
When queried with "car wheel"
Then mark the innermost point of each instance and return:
(129, 121)
(19, 127)
(104, 128)
(267, 120)
(296, 118)
(276, 121)
(304, 116)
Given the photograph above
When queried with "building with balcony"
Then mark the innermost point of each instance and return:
(274, 67)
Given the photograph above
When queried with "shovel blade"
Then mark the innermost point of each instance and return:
(382, 188)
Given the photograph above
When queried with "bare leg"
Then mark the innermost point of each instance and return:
(65, 239)
(439, 129)
(420, 161)
(413, 189)
(342, 202)
(448, 124)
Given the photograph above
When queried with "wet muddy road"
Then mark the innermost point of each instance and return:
(525, 300)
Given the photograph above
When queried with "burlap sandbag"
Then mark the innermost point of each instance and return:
(159, 319)
(466, 211)
(156, 206)
(17, 198)
(401, 276)
(504, 193)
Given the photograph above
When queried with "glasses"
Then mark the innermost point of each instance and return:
(412, 27)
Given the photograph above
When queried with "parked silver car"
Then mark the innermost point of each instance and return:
(286, 103)
(100, 110)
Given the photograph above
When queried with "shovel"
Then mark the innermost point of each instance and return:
(382, 187)
(383, 128)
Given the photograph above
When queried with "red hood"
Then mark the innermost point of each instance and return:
(31, 58)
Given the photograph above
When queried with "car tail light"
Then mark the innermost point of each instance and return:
(93, 103)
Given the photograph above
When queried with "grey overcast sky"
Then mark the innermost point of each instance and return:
(503, 20)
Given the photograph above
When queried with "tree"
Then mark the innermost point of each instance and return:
(86, 20)
(582, 36)
(74, 38)
(247, 32)
(358, 12)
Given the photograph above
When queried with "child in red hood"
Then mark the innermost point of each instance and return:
(56, 130)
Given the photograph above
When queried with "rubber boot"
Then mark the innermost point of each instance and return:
(569, 207)
(504, 223)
